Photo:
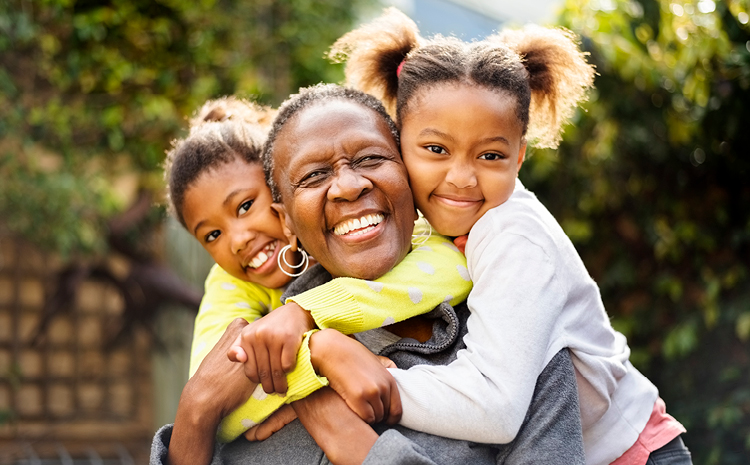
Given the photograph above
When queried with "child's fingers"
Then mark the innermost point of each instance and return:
(394, 405)
(250, 366)
(364, 409)
(263, 366)
(278, 376)
(275, 422)
(386, 362)
(289, 357)
(237, 354)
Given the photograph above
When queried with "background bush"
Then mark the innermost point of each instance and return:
(652, 184)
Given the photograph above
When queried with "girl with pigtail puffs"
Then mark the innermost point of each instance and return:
(466, 112)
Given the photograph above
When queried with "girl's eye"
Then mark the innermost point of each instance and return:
(245, 207)
(436, 149)
(212, 236)
(492, 156)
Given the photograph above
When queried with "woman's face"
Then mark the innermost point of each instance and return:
(228, 209)
(344, 188)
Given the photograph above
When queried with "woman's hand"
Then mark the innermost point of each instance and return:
(279, 419)
(217, 387)
(268, 347)
(357, 375)
(339, 432)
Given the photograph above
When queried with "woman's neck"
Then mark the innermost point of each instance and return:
(418, 327)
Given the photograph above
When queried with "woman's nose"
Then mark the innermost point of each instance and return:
(462, 176)
(348, 185)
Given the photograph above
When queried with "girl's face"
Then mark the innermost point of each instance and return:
(463, 146)
(228, 209)
(345, 189)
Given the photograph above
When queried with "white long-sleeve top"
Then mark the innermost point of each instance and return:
(532, 297)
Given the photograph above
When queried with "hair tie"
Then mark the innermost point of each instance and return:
(400, 67)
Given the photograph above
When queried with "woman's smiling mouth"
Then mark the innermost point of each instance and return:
(358, 226)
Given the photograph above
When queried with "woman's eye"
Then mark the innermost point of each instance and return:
(492, 156)
(436, 149)
(313, 177)
(368, 160)
(212, 236)
(245, 207)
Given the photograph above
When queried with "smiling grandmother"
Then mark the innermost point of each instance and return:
(333, 155)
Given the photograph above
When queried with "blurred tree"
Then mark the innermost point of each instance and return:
(652, 184)
(92, 92)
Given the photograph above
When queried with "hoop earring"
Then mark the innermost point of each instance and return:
(282, 256)
(420, 239)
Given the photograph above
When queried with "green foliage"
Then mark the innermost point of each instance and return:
(651, 183)
(93, 91)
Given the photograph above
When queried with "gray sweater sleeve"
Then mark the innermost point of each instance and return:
(551, 432)
(160, 448)
(392, 448)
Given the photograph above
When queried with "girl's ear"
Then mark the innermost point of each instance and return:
(286, 225)
(521, 156)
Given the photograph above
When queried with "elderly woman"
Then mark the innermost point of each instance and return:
(332, 156)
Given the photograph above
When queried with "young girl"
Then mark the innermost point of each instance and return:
(218, 193)
(466, 112)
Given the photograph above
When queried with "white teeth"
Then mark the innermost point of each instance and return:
(262, 256)
(359, 226)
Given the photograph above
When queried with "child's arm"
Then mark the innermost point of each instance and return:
(431, 274)
(484, 395)
(226, 298)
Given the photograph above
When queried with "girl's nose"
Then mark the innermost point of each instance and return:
(348, 185)
(241, 239)
(461, 176)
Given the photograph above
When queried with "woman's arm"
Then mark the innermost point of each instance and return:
(217, 387)
(343, 436)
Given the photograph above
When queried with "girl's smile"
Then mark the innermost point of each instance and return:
(228, 209)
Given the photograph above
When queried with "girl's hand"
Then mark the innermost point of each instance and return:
(268, 347)
(357, 375)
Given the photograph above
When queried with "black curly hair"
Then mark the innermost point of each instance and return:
(222, 131)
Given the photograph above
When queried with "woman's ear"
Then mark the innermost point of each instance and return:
(287, 226)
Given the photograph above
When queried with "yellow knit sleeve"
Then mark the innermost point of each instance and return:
(431, 273)
(226, 298)
(302, 381)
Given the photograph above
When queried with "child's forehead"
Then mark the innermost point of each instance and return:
(459, 98)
